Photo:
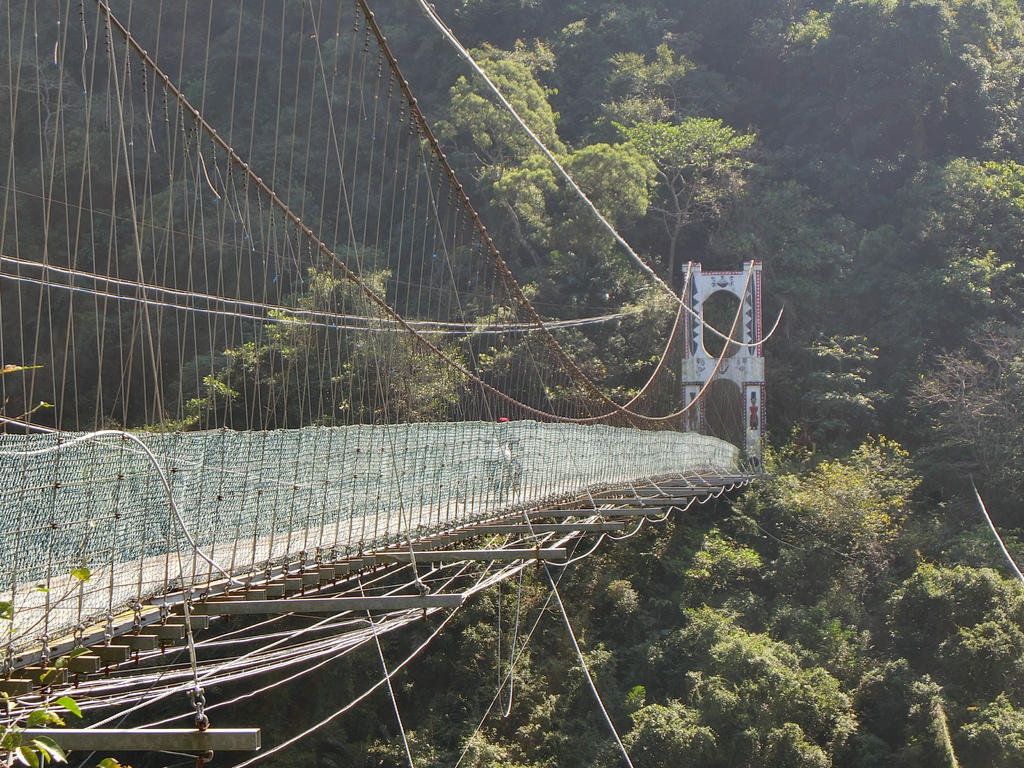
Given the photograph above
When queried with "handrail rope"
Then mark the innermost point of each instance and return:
(348, 274)
(995, 533)
(450, 37)
(646, 268)
(322, 247)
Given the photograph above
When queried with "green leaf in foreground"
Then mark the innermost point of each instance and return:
(49, 749)
(70, 705)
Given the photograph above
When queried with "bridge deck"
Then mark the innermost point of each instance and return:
(155, 625)
(92, 522)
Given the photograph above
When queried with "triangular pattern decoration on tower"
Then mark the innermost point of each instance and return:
(744, 365)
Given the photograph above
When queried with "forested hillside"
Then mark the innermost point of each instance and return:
(853, 610)
(865, 151)
(826, 619)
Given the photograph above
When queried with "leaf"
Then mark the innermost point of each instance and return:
(77, 652)
(110, 762)
(82, 574)
(11, 368)
(43, 717)
(49, 748)
(70, 704)
(11, 738)
(36, 717)
(42, 588)
(6, 610)
(27, 756)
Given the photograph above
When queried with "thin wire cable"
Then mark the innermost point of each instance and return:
(447, 33)
(391, 691)
(356, 701)
(586, 670)
(260, 662)
(260, 665)
(512, 647)
(280, 313)
(999, 539)
(465, 54)
(579, 653)
(508, 677)
(322, 248)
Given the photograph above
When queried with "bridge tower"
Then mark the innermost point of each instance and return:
(743, 366)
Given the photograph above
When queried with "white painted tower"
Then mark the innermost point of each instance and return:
(743, 365)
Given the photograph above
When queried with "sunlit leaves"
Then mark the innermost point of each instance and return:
(666, 736)
(39, 750)
(476, 115)
(646, 91)
(701, 164)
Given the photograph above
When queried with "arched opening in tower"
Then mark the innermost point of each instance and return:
(720, 312)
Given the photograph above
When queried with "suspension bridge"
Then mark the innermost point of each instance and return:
(261, 357)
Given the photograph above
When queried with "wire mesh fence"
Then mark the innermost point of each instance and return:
(100, 507)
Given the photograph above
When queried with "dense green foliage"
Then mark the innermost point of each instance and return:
(864, 150)
(827, 618)
(850, 611)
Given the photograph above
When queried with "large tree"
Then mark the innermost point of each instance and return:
(701, 165)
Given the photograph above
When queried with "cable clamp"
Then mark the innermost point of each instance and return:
(44, 654)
